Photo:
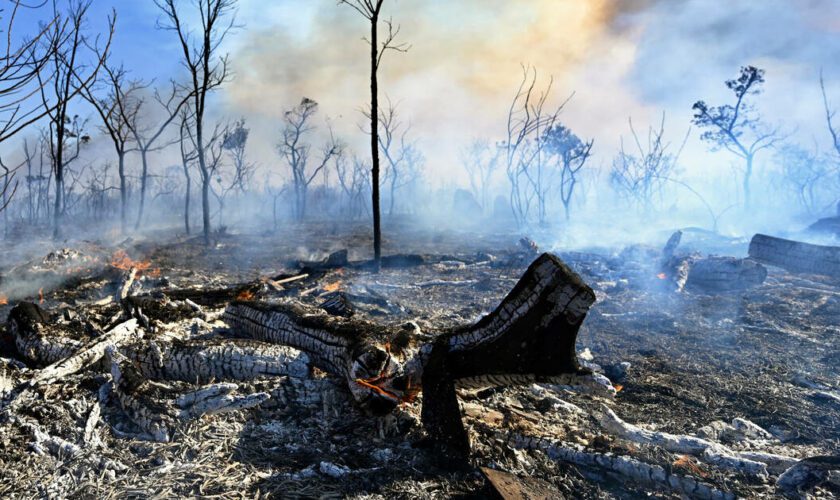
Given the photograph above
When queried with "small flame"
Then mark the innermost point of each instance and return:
(3, 299)
(121, 260)
(245, 295)
(662, 276)
(618, 387)
(332, 287)
(41, 295)
(685, 462)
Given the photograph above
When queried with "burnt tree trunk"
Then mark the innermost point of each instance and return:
(530, 337)
(796, 256)
(374, 140)
(144, 176)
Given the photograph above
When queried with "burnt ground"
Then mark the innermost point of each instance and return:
(769, 354)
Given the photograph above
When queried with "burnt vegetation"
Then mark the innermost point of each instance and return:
(552, 314)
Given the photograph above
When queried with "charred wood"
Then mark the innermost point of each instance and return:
(796, 256)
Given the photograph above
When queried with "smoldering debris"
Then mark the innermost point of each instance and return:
(130, 383)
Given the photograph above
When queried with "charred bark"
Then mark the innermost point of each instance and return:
(796, 256)
(530, 337)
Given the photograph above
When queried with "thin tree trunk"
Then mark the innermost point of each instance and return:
(59, 196)
(374, 143)
(187, 203)
(205, 207)
(143, 180)
(747, 176)
(123, 192)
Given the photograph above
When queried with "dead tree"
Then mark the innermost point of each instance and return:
(7, 191)
(638, 176)
(207, 72)
(404, 160)
(234, 142)
(67, 44)
(737, 127)
(570, 154)
(118, 112)
(354, 183)
(21, 67)
(829, 117)
(806, 174)
(522, 148)
(188, 157)
(296, 150)
(148, 137)
(371, 10)
(480, 160)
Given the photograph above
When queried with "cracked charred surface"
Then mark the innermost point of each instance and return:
(767, 354)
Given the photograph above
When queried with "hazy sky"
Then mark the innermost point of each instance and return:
(620, 57)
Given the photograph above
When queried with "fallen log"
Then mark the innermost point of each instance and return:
(796, 256)
(530, 337)
(630, 468)
(159, 409)
(203, 361)
(719, 274)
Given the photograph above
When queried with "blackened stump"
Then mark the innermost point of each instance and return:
(530, 337)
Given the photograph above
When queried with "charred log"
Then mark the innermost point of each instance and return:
(796, 256)
(724, 274)
(204, 361)
(342, 347)
(530, 337)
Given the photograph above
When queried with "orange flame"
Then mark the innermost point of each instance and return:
(662, 276)
(3, 299)
(245, 295)
(332, 287)
(121, 260)
(685, 462)
(41, 295)
(618, 387)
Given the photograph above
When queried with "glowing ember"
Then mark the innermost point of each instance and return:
(370, 384)
(618, 387)
(332, 287)
(662, 276)
(245, 295)
(41, 295)
(685, 462)
(3, 299)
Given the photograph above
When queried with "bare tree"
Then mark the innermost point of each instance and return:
(7, 191)
(207, 71)
(67, 45)
(234, 142)
(570, 154)
(481, 161)
(737, 127)
(522, 148)
(21, 66)
(371, 10)
(148, 136)
(296, 151)
(403, 159)
(188, 156)
(807, 175)
(354, 183)
(639, 175)
(118, 112)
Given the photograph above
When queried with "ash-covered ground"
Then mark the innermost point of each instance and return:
(688, 363)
